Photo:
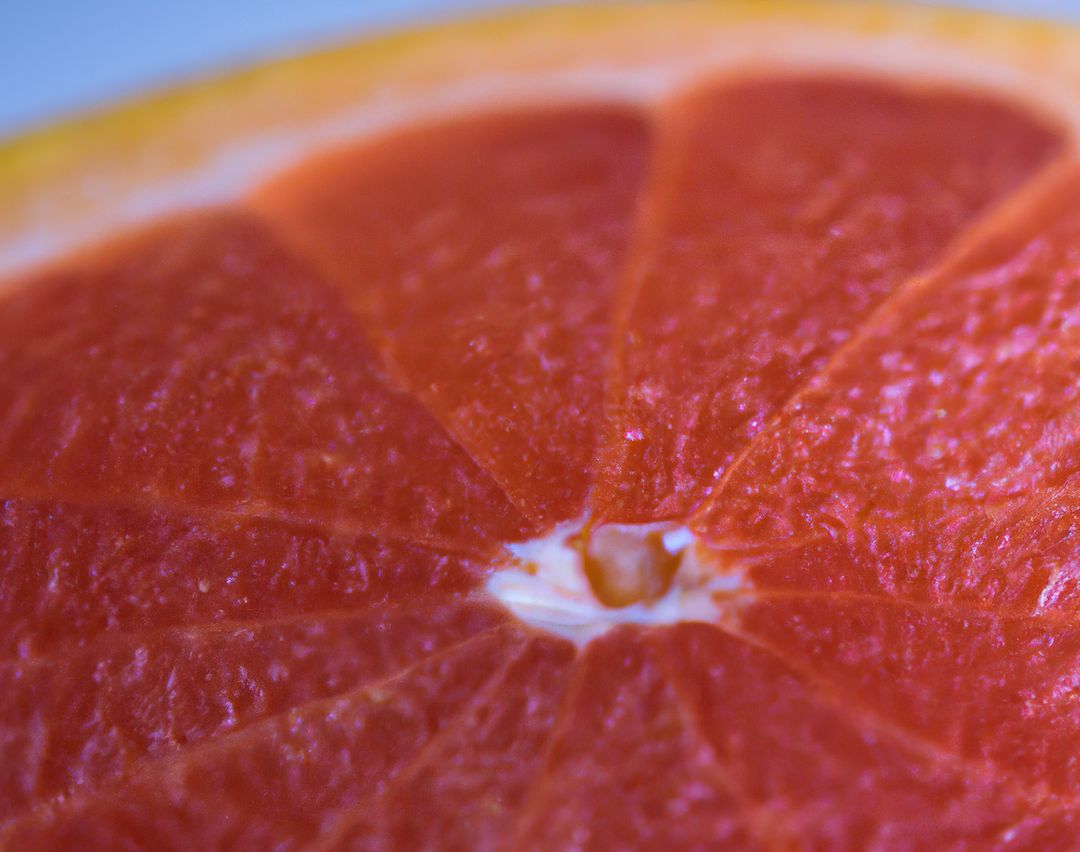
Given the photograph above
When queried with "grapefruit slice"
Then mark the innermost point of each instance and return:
(586, 428)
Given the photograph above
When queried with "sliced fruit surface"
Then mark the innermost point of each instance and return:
(645, 447)
(485, 264)
(783, 212)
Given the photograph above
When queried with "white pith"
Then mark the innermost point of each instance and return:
(544, 584)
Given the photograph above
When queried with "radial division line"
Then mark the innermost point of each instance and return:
(264, 514)
(760, 825)
(149, 767)
(563, 718)
(390, 373)
(349, 816)
(985, 225)
(64, 651)
(853, 712)
(950, 609)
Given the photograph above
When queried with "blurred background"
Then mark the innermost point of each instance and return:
(61, 56)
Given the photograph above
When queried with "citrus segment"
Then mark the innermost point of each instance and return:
(464, 790)
(72, 575)
(939, 674)
(782, 212)
(200, 364)
(283, 779)
(92, 715)
(483, 255)
(622, 769)
(748, 703)
(955, 406)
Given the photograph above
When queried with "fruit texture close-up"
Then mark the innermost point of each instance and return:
(617, 427)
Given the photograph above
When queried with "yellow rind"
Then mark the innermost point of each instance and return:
(80, 180)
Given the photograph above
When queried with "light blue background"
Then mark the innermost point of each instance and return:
(62, 55)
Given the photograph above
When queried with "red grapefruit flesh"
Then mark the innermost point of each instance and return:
(917, 538)
(202, 365)
(485, 265)
(259, 465)
(781, 213)
(283, 780)
(639, 774)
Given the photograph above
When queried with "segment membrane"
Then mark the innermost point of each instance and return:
(781, 213)
(928, 452)
(482, 256)
(203, 365)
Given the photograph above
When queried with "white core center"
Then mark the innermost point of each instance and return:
(546, 583)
